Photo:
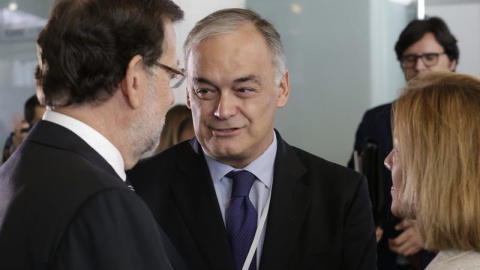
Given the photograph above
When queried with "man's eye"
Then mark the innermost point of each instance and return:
(245, 90)
(205, 93)
(202, 91)
(430, 57)
(410, 58)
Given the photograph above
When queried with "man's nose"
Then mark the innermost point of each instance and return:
(226, 107)
(420, 65)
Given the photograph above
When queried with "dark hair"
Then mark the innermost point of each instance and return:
(416, 29)
(29, 108)
(87, 45)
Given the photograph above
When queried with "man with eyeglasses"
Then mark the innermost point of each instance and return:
(423, 46)
(105, 73)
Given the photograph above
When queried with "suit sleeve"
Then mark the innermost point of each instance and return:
(359, 140)
(112, 230)
(359, 243)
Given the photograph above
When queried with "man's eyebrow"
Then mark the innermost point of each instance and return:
(202, 80)
(248, 78)
(252, 77)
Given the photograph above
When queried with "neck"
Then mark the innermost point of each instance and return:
(108, 119)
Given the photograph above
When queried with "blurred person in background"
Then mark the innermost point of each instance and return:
(178, 127)
(32, 112)
(423, 46)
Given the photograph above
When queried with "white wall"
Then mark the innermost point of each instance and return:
(463, 19)
(196, 10)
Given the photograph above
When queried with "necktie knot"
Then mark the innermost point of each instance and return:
(242, 182)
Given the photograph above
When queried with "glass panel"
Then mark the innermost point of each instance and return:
(341, 61)
(20, 23)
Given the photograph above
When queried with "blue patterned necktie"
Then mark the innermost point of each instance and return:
(241, 221)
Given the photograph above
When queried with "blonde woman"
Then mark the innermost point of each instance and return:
(435, 166)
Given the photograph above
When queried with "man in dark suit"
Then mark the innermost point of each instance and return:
(105, 73)
(423, 46)
(212, 194)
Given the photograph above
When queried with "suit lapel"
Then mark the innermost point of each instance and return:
(289, 203)
(196, 199)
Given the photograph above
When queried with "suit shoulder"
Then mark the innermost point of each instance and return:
(163, 163)
(316, 164)
(164, 158)
(383, 109)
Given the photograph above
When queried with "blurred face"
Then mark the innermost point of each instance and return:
(38, 114)
(233, 96)
(427, 45)
(158, 96)
(187, 133)
(392, 162)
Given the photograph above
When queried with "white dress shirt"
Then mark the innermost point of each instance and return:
(92, 137)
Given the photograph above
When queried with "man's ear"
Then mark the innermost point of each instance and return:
(283, 90)
(133, 86)
(453, 65)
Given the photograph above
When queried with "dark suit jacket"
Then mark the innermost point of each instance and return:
(320, 214)
(62, 206)
(376, 125)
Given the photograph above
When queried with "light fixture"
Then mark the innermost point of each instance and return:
(297, 9)
(13, 6)
(403, 2)
(421, 10)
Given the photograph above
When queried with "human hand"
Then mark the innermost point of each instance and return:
(409, 241)
(20, 133)
(379, 233)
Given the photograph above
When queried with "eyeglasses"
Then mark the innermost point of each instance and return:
(176, 77)
(429, 59)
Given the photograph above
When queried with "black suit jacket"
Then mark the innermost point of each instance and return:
(376, 125)
(319, 218)
(62, 206)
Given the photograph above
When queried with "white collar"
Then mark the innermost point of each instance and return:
(92, 137)
(262, 167)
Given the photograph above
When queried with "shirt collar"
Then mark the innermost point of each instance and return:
(92, 137)
(262, 167)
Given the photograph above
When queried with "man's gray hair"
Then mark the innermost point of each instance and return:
(229, 20)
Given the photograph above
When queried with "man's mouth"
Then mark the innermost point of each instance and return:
(227, 130)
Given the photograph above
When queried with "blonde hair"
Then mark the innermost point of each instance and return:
(437, 125)
(177, 117)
